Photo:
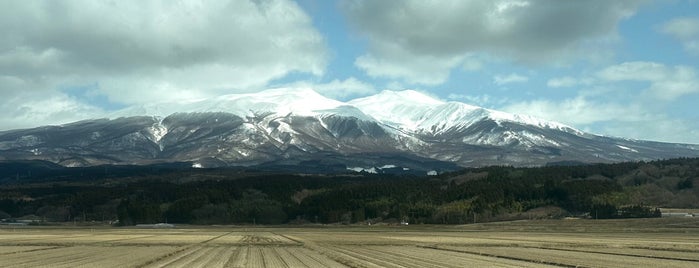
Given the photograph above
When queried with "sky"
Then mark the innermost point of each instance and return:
(618, 68)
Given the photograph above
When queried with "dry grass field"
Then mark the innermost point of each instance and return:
(554, 243)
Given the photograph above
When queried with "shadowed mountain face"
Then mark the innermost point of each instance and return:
(391, 130)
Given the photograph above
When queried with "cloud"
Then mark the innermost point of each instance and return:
(405, 38)
(686, 30)
(472, 64)
(30, 110)
(566, 81)
(480, 100)
(138, 52)
(579, 111)
(666, 83)
(613, 102)
(509, 79)
(394, 62)
(339, 89)
(630, 119)
(664, 128)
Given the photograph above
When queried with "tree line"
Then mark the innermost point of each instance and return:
(471, 195)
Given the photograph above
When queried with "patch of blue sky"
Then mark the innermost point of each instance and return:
(343, 46)
(90, 94)
(643, 36)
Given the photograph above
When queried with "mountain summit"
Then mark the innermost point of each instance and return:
(297, 127)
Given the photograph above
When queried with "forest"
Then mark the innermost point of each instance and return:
(234, 196)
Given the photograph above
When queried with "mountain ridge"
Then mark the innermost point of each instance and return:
(279, 125)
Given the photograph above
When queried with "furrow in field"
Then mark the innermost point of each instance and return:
(228, 239)
(635, 252)
(179, 239)
(374, 261)
(459, 259)
(92, 256)
(340, 257)
(216, 258)
(219, 259)
(314, 258)
(32, 239)
(131, 256)
(180, 256)
(290, 259)
(30, 259)
(72, 261)
(255, 258)
(4, 250)
(104, 257)
(392, 256)
(272, 258)
(193, 259)
(421, 257)
(577, 259)
(240, 258)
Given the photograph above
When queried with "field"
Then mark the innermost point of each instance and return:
(551, 243)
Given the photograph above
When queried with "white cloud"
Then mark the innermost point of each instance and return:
(664, 129)
(579, 111)
(666, 83)
(590, 107)
(686, 30)
(632, 119)
(566, 81)
(395, 63)
(339, 89)
(637, 71)
(31, 110)
(138, 51)
(610, 105)
(509, 79)
(480, 100)
(472, 64)
(407, 41)
(155, 50)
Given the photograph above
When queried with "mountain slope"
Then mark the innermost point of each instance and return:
(295, 126)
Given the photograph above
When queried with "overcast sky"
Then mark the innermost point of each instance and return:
(619, 68)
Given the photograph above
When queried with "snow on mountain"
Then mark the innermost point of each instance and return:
(404, 110)
(413, 111)
(297, 101)
(404, 114)
(281, 101)
(407, 111)
(298, 124)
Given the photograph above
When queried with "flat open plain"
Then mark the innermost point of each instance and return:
(549, 243)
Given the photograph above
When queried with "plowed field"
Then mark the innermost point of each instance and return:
(582, 243)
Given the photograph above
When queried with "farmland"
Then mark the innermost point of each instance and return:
(662, 242)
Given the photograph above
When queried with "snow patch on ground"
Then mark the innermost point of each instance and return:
(627, 148)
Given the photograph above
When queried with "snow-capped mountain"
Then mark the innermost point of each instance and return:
(291, 127)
